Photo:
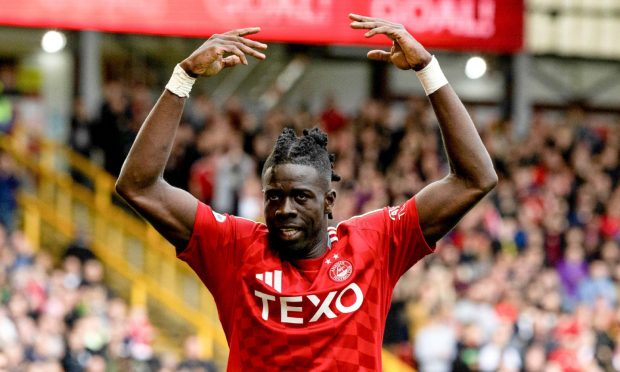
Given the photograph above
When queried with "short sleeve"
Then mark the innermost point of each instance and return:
(406, 241)
(216, 246)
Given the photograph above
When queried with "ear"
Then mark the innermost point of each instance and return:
(330, 199)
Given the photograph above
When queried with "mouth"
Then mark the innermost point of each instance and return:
(288, 232)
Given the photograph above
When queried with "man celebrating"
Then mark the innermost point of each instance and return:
(295, 294)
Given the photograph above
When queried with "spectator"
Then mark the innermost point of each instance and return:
(526, 262)
(499, 354)
(598, 286)
(9, 185)
(112, 130)
(331, 118)
(7, 114)
(192, 361)
(436, 343)
(64, 318)
(572, 269)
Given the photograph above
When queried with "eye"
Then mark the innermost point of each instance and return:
(272, 196)
(301, 197)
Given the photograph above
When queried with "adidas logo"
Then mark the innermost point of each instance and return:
(272, 278)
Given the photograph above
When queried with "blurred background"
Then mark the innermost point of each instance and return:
(528, 281)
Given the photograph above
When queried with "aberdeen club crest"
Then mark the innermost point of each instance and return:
(340, 271)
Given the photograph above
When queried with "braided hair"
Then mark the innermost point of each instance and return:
(309, 149)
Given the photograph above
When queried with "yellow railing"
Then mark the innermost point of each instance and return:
(139, 263)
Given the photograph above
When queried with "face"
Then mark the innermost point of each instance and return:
(297, 201)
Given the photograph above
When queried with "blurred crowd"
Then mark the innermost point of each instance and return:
(528, 280)
(63, 317)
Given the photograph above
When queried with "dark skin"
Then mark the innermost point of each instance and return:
(171, 210)
(299, 225)
(443, 203)
(297, 201)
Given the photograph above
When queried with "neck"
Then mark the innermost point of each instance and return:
(315, 248)
(318, 248)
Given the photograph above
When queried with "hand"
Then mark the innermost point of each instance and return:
(406, 53)
(223, 50)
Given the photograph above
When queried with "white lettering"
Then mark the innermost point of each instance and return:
(466, 18)
(284, 309)
(359, 298)
(324, 308)
(107, 9)
(266, 298)
(304, 11)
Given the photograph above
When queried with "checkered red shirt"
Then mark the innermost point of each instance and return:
(323, 314)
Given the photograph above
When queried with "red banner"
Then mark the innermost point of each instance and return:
(487, 25)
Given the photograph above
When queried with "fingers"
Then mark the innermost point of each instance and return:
(246, 45)
(232, 42)
(394, 31)
(236, 51)
(390, 31)
(363, 25)
(243, 31)
(363, 22)
(247, 50)
(238, 33)
(379, 55)
(243, 50)
(360, 18)
(231, 61)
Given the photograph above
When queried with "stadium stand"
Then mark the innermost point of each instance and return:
(527, 281)
(63, 317)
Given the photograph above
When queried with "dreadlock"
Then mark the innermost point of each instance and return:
(309, 149)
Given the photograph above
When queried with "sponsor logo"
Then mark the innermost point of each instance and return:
(340, 271)
(310, 308)
(396, 213)
(272, 279)
(219, 217)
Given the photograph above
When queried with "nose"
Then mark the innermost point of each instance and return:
(286, 209)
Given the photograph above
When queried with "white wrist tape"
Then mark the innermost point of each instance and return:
(180, 82)
(431, 77)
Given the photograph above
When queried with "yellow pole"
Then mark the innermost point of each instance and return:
(138, 294)
(152, 261)
(103, 191)
(206, 340)
(64, 202)
(32, 225)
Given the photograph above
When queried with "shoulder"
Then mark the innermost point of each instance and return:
(238, 226)
(383, 218)
(373, 220)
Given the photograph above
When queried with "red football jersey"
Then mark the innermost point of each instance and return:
(323, 314)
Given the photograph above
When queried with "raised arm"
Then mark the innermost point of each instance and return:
(443, 203)
(171, 210)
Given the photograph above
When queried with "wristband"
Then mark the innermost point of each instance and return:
(180, 82)
(431, 77)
